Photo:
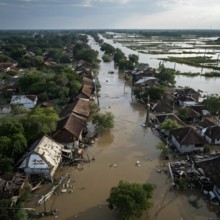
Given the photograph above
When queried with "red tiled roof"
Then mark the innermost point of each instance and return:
(68, 128)
(80, 106)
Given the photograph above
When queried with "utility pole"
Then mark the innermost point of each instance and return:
(96, 90)
(147, 121)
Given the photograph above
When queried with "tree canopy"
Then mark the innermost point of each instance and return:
(109, 49)
(103, 120)
(154, 93)
(169, 125)
(38, 122)
(130, 199)
(12, 143)
(166, 76)
(213, 104)
(51, 85)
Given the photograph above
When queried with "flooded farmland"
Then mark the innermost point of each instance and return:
(116, 153)
(184, 47)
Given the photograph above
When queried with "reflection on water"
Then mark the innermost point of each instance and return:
(116, 153)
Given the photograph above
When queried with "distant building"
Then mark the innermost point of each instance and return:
(27, 101)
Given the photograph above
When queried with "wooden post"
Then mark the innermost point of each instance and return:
(45, 209)
(148, 111)
(97, 94)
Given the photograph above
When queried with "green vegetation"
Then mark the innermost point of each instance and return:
(200, 61)
(189, 74)
(57, 84)
(17, 212)
(103, 120)
(16, 133)
(165, 150)
(213, 104)
(109, 49)
(106, 58)
(166, 76)
(82, 51)
(38, 122)
(211, 74)
(206, 149)
(182, 113)
(130, 199)
(169, 125)
(119, 57)
(154, 93)
(13, 143)
(182, 183)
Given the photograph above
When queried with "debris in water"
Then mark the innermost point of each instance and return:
(138, 163)
(113, 165)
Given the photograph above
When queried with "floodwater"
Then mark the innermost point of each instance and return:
(206, 84)
(116, 153)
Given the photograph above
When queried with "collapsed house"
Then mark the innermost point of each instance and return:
(12, 186)
(43, 159)
(211, 169)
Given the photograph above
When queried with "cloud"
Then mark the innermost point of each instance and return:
(109, 13)
(177, 14)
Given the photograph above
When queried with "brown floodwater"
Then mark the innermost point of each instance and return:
(125, 144)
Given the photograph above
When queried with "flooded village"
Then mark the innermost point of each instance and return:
(171, 142)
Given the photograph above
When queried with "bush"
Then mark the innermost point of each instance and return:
(130, 199)
(103, 120)
(106, 58)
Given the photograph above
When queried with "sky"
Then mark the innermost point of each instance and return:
(109, 14)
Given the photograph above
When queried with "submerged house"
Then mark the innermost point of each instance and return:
(161, 107)
(87, 81)
(188, 115)
(86, 92)
(44, 158)
(187, 101)
(83, 65)
(201, 109)
(81, 107)
(212, 134)
(188, 92)
(70, 129)
(146, 81)
(187, 140)
(169, 98)
(205, 124)
(27, 101)
(160, 118)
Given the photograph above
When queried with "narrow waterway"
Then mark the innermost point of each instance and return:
(116, 153)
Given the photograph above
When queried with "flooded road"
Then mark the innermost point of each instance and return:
(116, 153)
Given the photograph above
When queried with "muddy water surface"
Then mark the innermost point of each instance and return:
(116, 153)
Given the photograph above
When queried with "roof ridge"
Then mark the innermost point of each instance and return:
(189, 129)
